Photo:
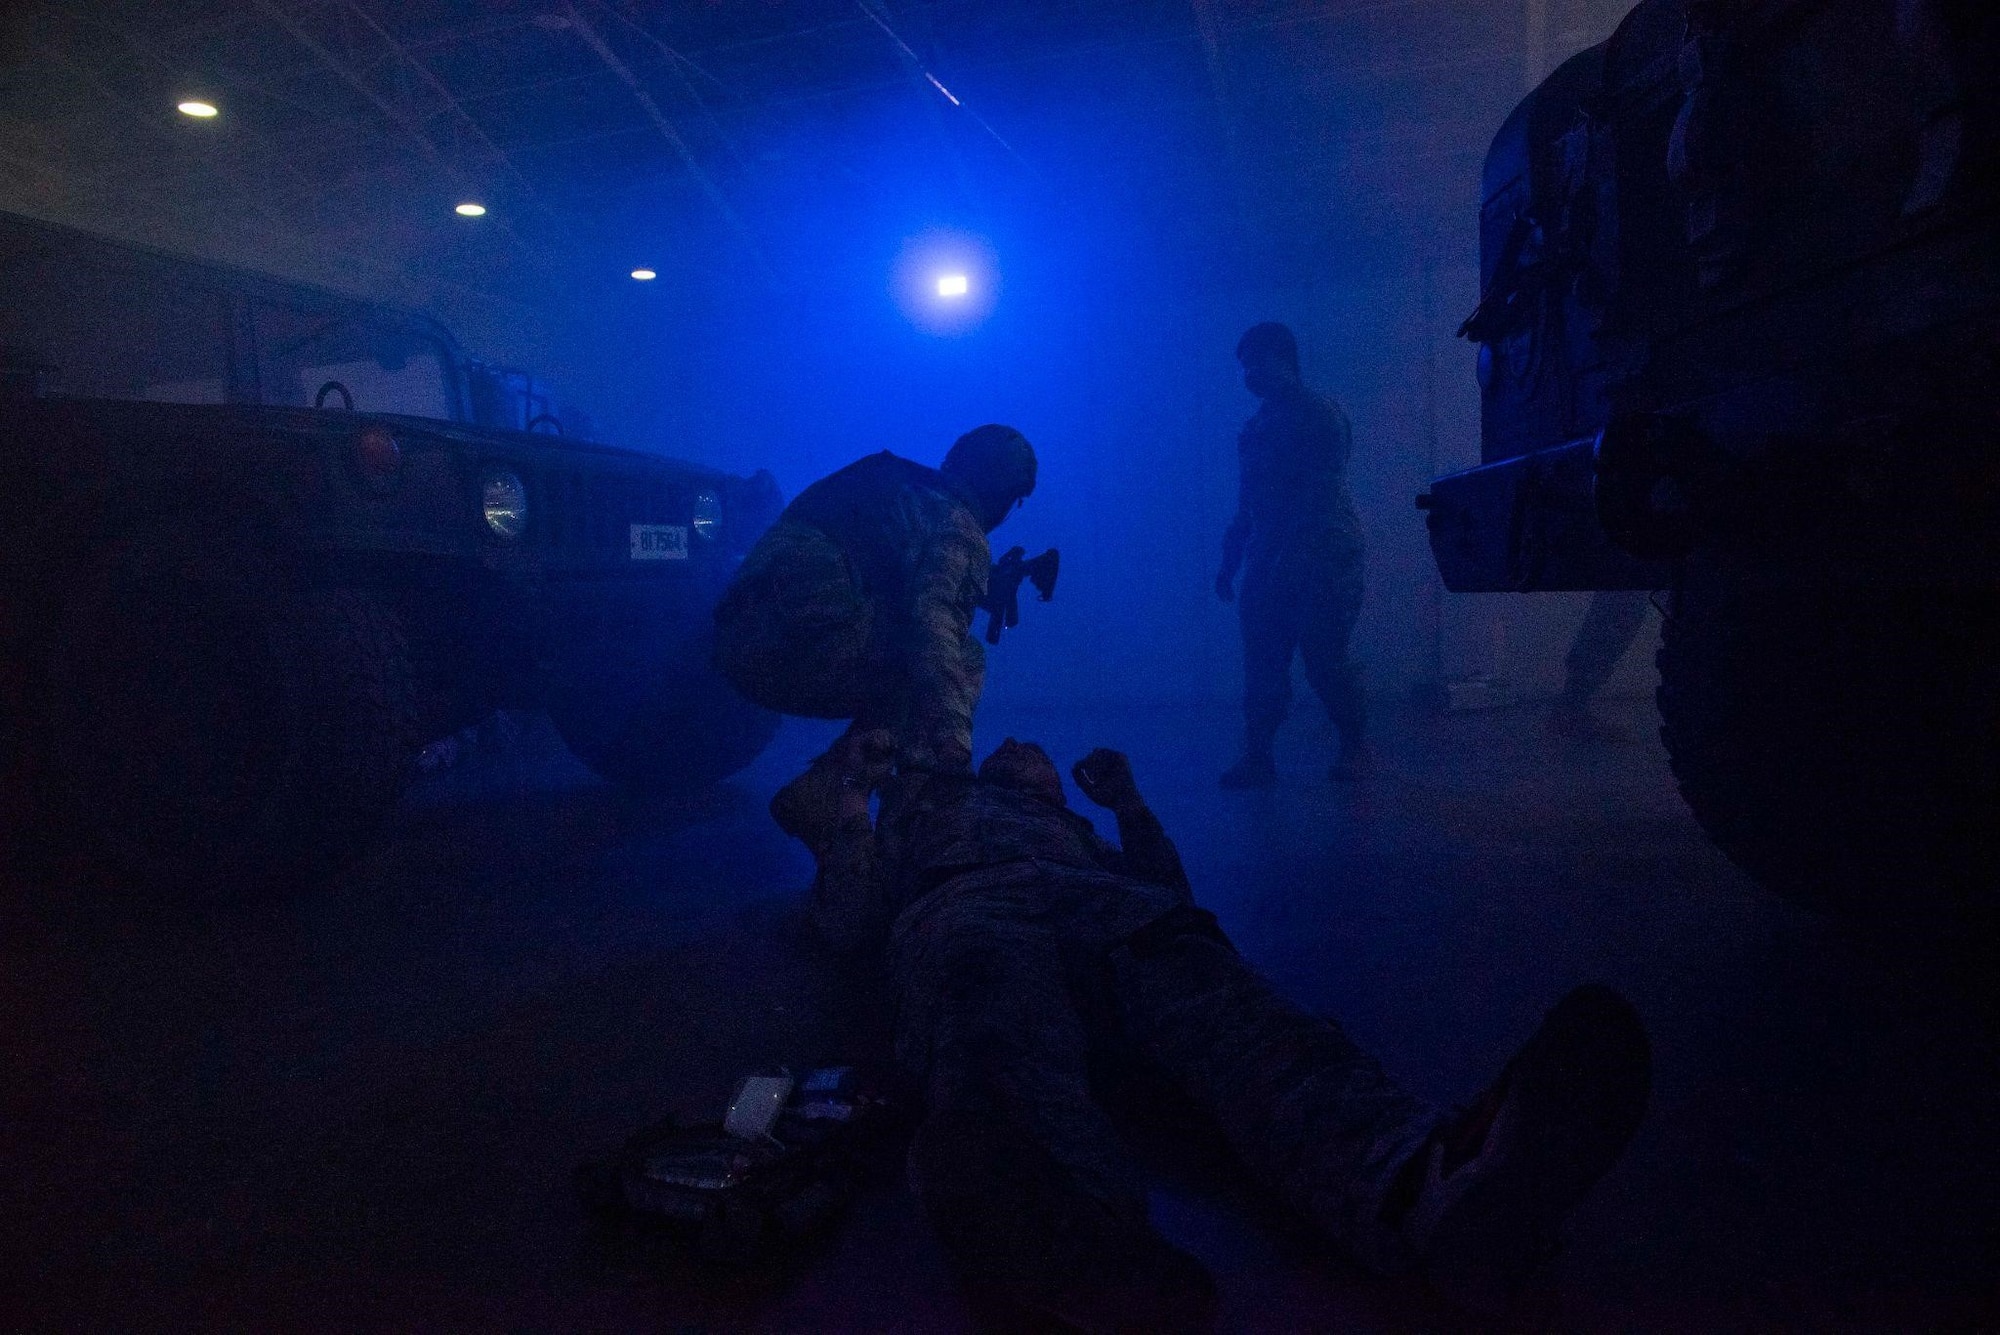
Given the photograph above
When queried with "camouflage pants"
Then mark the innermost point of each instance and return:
(1615, 618)
(795, 632)
(1300, 605)
(1009, 980)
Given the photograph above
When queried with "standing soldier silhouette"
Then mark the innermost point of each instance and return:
(1297, 543)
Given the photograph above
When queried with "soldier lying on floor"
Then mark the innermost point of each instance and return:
(1013, 931)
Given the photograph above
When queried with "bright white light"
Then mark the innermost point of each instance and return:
(644, 275)
(199, 110)
(946, 282)
(470, 210)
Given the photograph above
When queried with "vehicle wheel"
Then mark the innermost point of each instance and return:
(1843, 747)
(198, 724)
(662, 721)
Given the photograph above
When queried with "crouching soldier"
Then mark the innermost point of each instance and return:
(858, 603)
(1020, 942)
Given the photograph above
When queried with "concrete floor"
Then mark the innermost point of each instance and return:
(358, 1106)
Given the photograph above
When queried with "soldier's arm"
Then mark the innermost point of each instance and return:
(850, 895)
(826, 809)
(946, 560)
(1146, 853)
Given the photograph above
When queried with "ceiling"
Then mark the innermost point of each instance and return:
(597, 131)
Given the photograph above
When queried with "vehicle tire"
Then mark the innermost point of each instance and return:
(201, 724)
(656, 717)
(1843, 747)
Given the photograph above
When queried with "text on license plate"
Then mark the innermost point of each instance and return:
(659, 542)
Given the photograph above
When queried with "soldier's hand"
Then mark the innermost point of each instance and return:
(1105, 777)
(866, 758)
(1225, 587)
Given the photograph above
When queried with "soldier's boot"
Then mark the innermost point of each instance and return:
(809, 806)
(806, 807)
(1035, 1249)
(1481, 1202)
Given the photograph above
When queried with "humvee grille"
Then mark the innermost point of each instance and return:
(592, 513)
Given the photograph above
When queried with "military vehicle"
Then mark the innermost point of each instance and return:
(1739, 343)
(262, 542)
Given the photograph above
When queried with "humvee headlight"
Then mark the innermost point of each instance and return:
(707, 515)
(504, 501)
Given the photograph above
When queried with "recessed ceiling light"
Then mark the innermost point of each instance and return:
(199, 110)
(644, 275)
(953, 285)
(469, 210)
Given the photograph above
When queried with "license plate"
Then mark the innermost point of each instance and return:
(659, 542)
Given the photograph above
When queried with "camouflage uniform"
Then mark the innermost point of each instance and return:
(858, 604)
(1299, 545)
(1017, 938)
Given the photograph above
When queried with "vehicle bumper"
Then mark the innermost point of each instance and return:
(1528, 525)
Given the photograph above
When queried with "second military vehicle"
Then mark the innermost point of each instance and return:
(1740, 342)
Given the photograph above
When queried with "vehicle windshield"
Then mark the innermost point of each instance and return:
(387, 365)
(153, 331)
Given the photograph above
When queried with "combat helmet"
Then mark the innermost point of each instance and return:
(997, 465)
